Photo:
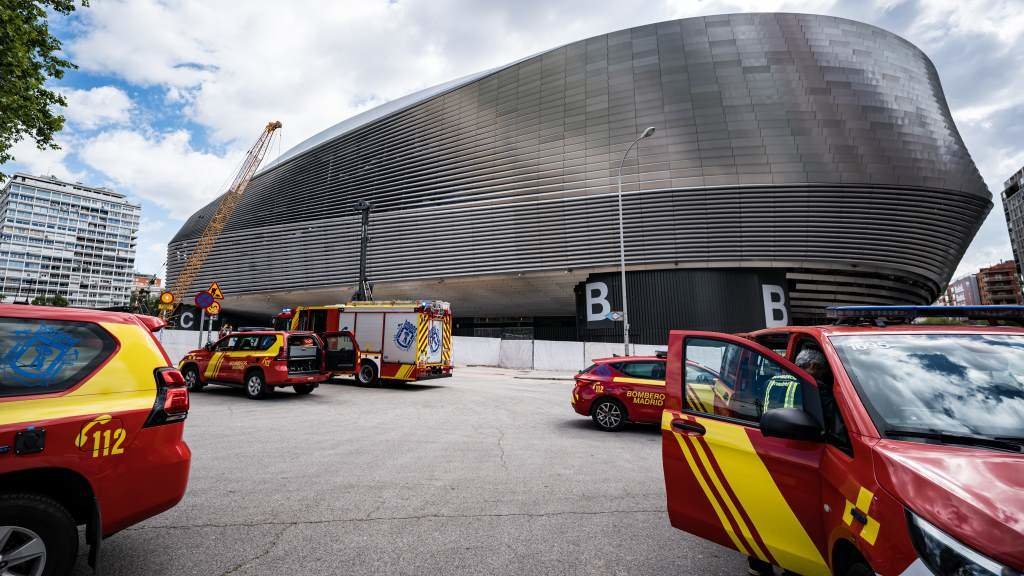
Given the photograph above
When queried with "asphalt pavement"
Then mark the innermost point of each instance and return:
(489, 472)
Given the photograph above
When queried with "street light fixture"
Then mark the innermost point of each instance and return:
(622, 242)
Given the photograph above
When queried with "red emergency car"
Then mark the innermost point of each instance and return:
(873, 446)
(621, 389)
(91, 422)
(259, 361)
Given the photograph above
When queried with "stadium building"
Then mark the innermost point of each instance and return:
(799, 161)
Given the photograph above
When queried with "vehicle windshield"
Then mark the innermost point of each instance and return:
(950, 383)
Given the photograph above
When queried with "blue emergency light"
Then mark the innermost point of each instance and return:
(906, 314)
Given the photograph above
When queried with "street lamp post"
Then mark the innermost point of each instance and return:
(622, 244)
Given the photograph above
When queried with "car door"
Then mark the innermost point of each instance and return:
(340, 352)
(725, 480)
(218, 368)
(645, 390)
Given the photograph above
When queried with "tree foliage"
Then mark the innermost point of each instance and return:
(29, 56)
(57, 300)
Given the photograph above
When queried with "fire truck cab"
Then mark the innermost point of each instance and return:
(393, 340)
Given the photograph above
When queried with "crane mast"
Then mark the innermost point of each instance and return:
(221, 215)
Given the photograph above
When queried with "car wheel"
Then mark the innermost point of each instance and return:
(255, 387)
(303, 388)
(37, 536)
(609, 415)
(191, 375)
(367, 375)
(859, 569)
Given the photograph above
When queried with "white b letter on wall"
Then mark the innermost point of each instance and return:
(597, 294)
(775, 313)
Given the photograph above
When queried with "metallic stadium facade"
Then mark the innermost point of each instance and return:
(813, 146)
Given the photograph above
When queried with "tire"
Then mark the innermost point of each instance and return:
(255, 386)
(41, 531)
(368, 374)
(303, 389)
(192, 380)
(859, 568)
(608, 414)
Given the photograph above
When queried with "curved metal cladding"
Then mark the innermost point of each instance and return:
(817, 145)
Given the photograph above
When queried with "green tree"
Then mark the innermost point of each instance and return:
(28, 58)
(59, 300)
(40, 301)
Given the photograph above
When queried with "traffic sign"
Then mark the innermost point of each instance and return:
(213, 309)
(204, 299)
(165, 306)
(615, 316)
(215, 292)
(166, 298)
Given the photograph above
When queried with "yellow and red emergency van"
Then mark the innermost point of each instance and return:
(400, 340)
(872, 446)
(91, 421)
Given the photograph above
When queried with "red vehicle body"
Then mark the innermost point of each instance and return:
(621, 389)
(259, 361)
(858, 469)
(91, 422)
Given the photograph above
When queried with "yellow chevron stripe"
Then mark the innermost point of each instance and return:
(666, 424)
(758, 494)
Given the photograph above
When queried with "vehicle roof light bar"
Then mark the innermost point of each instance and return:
(880, 315)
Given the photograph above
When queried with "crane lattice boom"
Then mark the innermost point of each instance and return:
(222, 214)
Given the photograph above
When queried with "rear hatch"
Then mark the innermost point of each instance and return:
(304, 354)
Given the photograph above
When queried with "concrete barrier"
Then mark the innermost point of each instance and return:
(471, 351)
(516, 354)
(550, 355)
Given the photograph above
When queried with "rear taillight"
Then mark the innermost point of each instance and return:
(171, 404)
(282, 354)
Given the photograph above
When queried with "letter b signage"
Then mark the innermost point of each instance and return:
(775, 313)
(598, 306)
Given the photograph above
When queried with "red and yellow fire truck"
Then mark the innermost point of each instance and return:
(397, 340)
(874, 446)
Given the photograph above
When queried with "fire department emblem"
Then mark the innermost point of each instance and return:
(38, 357)
(435, 339)
(405, 335)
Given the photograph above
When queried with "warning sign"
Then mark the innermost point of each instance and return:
(215, 292)
(213, 309)
(167, 298)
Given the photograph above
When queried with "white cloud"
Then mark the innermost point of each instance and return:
(100, 106)
(162, 168)
(30, 159)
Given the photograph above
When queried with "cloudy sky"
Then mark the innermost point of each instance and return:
(169, 95)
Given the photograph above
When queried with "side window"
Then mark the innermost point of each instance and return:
(319, 321)
(42, 357)
(647, 370)
(808, 355)
(776, 342)
(602, 370)
(267, 341)
(225, 344)
(249, 343)
(339, 343)
(744, 386)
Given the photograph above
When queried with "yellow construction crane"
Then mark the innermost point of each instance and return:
(221, 215)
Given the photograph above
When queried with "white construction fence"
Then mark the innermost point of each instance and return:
(470, 351)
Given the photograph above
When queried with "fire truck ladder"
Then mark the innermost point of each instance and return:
(225, 208)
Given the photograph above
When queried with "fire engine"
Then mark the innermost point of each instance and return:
(398, 340)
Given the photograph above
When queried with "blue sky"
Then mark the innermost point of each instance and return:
(169, 95)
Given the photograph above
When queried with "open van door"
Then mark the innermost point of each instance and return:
(340, 352)
(743, 470)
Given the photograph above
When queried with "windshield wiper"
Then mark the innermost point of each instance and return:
(1006, 444)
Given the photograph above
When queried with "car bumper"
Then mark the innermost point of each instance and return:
(148, 484)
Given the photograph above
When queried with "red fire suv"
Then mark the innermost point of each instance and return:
(614, 391)
(259, 361)
(873, 446)
(91, 422)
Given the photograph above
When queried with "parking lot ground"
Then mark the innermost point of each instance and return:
(488, 472)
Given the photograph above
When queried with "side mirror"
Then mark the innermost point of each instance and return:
(791, 424)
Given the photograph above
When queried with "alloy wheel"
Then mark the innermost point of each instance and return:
(609, 415)
(255, 385)
(22, 552)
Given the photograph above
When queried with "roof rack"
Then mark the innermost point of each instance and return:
(882, 315)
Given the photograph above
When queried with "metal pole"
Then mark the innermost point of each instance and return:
(622, 244)
(202, 323)
(362, 294)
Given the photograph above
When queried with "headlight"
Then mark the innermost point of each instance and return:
(944, 556)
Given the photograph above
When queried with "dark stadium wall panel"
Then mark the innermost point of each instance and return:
(815, 145)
